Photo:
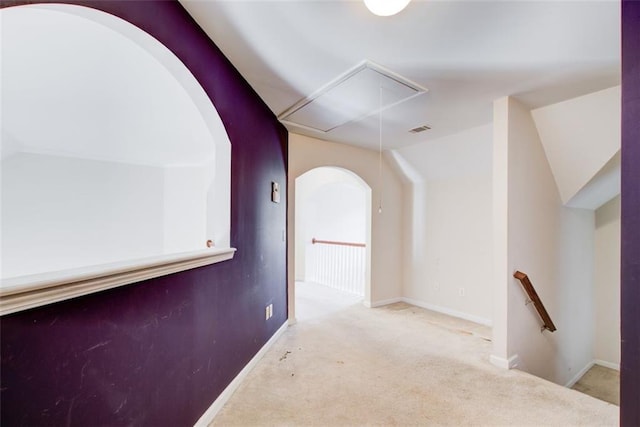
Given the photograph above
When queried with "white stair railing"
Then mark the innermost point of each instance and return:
(338, 265)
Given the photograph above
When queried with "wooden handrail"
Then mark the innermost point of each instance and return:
(333, 242)
(535, 299)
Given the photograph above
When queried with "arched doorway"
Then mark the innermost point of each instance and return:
(332, 241)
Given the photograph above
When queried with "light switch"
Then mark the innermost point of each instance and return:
(275, 192)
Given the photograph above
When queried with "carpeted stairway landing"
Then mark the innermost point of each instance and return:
(398, 365)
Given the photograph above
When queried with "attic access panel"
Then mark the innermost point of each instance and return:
(362, 91)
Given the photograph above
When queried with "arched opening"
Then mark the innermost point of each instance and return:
(332, 241)
(111, 149)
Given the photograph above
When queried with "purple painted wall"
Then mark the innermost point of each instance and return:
(630, 232)
(160, 352)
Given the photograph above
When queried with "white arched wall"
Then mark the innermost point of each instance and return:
(386, 279)
(93, 142)
(333, 204)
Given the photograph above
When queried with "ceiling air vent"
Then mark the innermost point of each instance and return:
(360, 92)
(419, 129)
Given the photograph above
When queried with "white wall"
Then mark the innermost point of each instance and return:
(185, 208)
(607, 283)
(574, 306)
(458, 254)
(64, 212)
(9, 144)
(535, 234)
(307, 153)
(448, 223)
(336, 211)
(580, 136)
(60, 213)
(99, 86)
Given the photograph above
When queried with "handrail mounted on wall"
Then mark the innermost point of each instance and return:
(333, 242)
(535, 299)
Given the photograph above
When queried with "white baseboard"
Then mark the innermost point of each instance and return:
(374, 304)
(215, 407)
(606, 364)
(503, 363)
(436, 308)
(448, 311)
(588, 366)
(579, 375)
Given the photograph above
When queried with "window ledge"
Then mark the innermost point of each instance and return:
(25, 292)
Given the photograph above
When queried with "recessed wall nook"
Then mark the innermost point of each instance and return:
(115, 163)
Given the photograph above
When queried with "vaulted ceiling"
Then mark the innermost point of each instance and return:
(465, 53)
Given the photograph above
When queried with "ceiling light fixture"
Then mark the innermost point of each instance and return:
(386, 7)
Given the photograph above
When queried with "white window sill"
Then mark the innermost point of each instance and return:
(22, 293)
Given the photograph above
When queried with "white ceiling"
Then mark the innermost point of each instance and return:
(467, 53)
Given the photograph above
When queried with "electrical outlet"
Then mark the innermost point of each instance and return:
(268, 312)
(275, 192)
(461, 292)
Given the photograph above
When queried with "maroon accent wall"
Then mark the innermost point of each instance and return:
(630, 231)
(159, 352)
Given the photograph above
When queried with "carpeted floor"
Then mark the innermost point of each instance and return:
(398, 365)
(602, 383)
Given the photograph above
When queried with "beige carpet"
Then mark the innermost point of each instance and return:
(602, 383)
(398, 365)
